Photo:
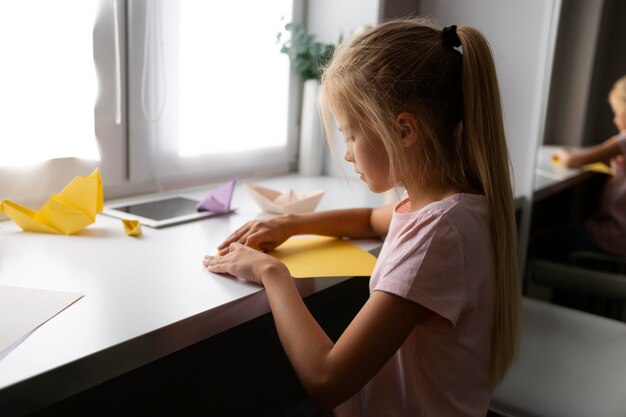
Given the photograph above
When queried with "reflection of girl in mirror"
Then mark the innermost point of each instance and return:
(607, 230)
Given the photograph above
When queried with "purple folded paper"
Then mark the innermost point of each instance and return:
(219, 200)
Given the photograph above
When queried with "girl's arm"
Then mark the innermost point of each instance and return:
(269, 233)
(602, 152)
(330, 372)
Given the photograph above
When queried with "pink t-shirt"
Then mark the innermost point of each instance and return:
(608, 227)
(441, 258)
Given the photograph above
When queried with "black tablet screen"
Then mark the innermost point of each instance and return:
(162, 209)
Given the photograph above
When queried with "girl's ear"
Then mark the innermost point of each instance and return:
(408, 126)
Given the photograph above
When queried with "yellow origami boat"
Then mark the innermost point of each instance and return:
(68, 212)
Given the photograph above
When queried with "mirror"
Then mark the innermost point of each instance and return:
(588, 60)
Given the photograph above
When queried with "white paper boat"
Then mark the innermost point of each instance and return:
(278, 202)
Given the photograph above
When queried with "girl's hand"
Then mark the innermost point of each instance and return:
(264, 235)
(565, 157)
(247, 263)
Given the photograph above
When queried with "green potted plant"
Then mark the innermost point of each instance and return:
(308, 57)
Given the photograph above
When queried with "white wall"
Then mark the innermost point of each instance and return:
(328, 18)
(573, 68)
(519, 34)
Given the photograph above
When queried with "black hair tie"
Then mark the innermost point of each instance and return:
(450, 37)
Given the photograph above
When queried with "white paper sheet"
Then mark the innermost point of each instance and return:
(23, 310)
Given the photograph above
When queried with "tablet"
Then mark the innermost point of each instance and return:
(159, 212)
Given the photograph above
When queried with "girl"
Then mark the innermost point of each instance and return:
(440, 327)
(607, 230)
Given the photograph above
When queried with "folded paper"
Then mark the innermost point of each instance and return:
(324, 257)
(132, 227)
(273, 201)
(23, 310)
(600, 167)
(219, 199)
(73, 209)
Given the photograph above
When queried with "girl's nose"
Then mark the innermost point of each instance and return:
(348, 156)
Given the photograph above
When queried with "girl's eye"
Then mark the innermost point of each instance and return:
(349, 139)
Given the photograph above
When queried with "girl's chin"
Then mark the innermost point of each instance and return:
(378, 188)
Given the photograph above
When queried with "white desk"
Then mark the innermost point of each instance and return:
(144, 298)
(550, 179)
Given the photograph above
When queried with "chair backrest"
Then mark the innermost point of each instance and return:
(579, 279)
(599, 261)
(570, 364)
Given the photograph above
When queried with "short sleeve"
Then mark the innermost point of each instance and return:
(621, 142)
(426, 265)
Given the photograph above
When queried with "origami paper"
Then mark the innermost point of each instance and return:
(74, 208)
(219, 199)
(600, 167)
(23, 310)
(324, 257)
(132, 227)
(273, 201)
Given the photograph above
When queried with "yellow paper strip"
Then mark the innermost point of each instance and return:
(324, 257)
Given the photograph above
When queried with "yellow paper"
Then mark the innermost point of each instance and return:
(132, 227)
(73, 209)
(600, 167)
(324, 257)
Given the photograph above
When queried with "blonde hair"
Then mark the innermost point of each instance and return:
(403, 66)
(617, 95)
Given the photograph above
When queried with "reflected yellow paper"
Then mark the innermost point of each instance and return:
(324, 257)
(600, 167)
(132, 227)
(73, 209)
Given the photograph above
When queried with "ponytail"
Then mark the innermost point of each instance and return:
(485, 144)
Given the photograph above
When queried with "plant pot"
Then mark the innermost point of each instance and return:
(311, 155)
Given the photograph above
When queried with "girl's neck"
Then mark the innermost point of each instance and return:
(423, 197)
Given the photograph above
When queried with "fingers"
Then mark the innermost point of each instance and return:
(249, 234)
(236, 236)
(214, 264)
(222, 264)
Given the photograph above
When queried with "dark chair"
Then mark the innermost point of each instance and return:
(570, 363)
(594, 282)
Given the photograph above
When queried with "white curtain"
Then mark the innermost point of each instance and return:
(209, 91)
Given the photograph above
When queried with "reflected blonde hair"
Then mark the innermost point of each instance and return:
(617, 95)
(403, 66)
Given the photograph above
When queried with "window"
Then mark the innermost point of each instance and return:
(209, 92)
(48, 81)
(157, 93)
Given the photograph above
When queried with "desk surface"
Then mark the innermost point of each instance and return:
(550, 179)
(144, 297)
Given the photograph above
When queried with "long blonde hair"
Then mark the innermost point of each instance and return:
(403, 66)
(617, 95)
